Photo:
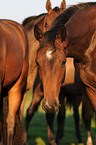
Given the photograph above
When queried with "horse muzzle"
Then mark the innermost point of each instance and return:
(50, 108)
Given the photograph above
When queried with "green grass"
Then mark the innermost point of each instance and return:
(37, 133)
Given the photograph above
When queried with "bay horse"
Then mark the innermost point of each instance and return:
(44, 20)
(57, 44)
(13, 70)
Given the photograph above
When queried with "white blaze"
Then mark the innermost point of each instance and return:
(49, 54)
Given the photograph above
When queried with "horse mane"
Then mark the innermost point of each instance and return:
(67, 13)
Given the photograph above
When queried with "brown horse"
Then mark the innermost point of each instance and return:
(57, 44)
(44, 21)
(13, 70)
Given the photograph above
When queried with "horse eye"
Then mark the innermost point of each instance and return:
(63, 63)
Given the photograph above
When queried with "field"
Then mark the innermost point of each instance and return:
(37, 133)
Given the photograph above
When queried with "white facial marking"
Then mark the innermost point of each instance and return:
(49, 54)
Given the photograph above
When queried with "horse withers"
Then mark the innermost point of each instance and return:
(13, 70)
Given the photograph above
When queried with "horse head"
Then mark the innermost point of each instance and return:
(51, 59)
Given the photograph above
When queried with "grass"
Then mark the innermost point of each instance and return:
(37, 133)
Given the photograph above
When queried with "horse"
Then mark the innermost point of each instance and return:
(67, 38)
(45, 21)
(13, 73)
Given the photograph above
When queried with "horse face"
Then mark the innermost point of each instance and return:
(51, 64)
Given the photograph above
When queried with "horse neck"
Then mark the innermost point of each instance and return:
(33, 47)
(79, 34)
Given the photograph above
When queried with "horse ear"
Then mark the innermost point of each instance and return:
(48, 5)
(37, 33)
(63, 5)
(61, 33)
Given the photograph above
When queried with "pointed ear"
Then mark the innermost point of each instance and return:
(61, 33)
(63, 5)
(48, 5)
(37, 33)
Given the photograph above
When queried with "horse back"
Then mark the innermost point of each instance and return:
(14, 50)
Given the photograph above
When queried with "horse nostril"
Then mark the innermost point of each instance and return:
(45, 106)
(55, 106)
